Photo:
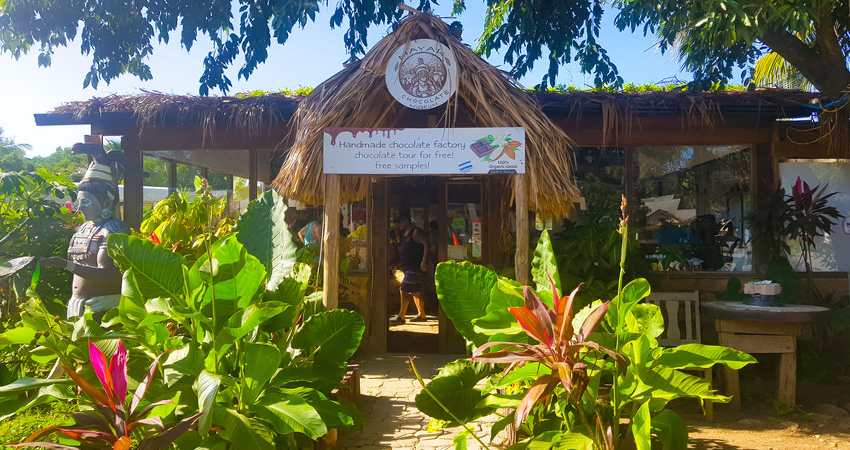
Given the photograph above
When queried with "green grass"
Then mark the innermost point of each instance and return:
(20, 426)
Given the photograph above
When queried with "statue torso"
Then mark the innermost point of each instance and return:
(87, 242)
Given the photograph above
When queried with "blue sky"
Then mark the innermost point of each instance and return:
(309, 57)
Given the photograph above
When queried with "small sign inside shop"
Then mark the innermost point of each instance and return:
(424, 151)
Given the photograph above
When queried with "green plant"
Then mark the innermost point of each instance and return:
(257, 357)
(36, 220)
(117, 424)
(185, 225)
(568, 386)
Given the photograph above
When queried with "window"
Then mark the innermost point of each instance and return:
(693, 201)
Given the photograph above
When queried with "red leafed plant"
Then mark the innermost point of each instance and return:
(560, 347)
(114, 427)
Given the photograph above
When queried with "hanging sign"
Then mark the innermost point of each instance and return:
(422, 74)
(424, 151)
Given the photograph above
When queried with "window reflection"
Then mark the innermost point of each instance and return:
(693, 200)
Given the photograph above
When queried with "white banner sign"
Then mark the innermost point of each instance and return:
(424, 151)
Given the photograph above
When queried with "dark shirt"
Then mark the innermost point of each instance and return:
(411, 251)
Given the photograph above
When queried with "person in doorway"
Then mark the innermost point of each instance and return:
(413, 257)
(312, 232)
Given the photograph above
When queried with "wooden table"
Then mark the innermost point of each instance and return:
(763, 329)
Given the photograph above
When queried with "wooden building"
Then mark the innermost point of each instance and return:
(703, 152)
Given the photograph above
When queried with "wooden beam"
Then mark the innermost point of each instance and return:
(330, 241)
(523, 268)
(252, 175)
(134, 183)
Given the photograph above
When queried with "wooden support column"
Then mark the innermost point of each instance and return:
(134, 183)
(523, 268)
(378, 229)
(172, 176)
(252, 176)
(330, 241)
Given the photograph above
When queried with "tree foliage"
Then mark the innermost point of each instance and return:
(714, 38)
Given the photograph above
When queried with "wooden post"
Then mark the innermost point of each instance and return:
(134, 184)
(330, 241)
(523, 268)
(252, 178)
(172, 176)
(378, 229)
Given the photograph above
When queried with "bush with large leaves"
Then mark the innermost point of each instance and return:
(260, 361)
(593, 379)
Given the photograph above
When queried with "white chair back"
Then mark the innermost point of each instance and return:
(676, 331)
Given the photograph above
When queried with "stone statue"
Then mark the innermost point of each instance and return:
(97, 282)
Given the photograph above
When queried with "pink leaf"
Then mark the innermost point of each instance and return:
(118, 369)
(101, 369)
(541, 388)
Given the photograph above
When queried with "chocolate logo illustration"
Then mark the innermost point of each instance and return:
(422, 74)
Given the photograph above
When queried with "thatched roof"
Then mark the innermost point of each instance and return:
(357, 97)
(248, 115)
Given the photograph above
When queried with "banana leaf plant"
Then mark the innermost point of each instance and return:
(593, 379)
(117, 424)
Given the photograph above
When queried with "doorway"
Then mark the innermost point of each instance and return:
(449, 212)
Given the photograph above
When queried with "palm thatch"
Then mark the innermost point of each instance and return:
(621, 112)
(357, 97)
(250, 115)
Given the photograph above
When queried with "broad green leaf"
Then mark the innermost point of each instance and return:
(336, 335)
(290, 413)
(322, 378)
(454, 387)
(544, 266)
(664, 384)
(671, 430)
(464, 292)
(235, 275)
(501, 401)
(243, 432)
(246, 321)
(27, 384)
(544, 440)
(505, 293)
(574, 439)
(261, 360)
(131, 308)
(641, 428)
(17, 336)
(158, 272)
(301, 272)
(12, 404)
(206, 387)
(635, 291)
(645, 318)
(700, 355)
(265, 234)
(528, 372)
(497, 321)
(580, 316)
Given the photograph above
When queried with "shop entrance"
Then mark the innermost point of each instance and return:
(448, 212)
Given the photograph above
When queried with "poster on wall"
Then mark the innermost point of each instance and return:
(422, 74)
(424, 151)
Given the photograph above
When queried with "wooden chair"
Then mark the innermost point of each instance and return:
(687, 331)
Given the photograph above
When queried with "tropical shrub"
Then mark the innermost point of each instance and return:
(245, 341)
(594, 379)
(36, 220)
(116, 420)
(185, 225)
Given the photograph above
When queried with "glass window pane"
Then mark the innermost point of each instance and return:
(693, 200)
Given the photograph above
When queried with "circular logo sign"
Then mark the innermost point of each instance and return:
(422, 74)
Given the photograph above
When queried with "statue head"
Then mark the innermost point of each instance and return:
(97, 193)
